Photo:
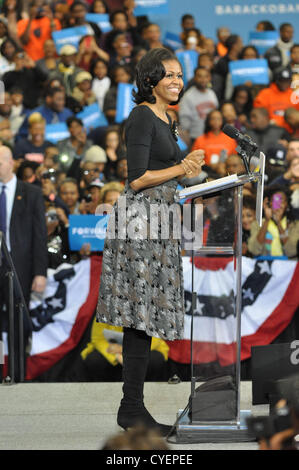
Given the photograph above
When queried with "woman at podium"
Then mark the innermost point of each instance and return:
(141, 286)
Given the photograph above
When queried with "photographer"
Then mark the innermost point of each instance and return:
(57, 242)
(49, 190)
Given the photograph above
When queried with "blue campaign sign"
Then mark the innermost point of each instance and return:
(151, 7)
(124, 103)
(56, 132)
(87, 229)
(253, 70)
(102, 20)
(263, 40)
(92, 117)
(69, 36)
(172, 40)
(188, 61)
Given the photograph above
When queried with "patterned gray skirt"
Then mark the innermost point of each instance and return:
(142, 276)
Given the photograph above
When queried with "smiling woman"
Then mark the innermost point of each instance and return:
(141, 285)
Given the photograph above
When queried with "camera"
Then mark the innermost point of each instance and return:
(264, 427)
(50, 174)
(52, 215)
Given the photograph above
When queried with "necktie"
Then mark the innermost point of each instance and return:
(3, 211)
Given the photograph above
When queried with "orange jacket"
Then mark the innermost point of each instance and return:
(212, 144)
(40, 31)
(276, 102)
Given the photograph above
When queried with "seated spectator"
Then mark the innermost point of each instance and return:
(213, 141)
(234, 46)
(70, 101)
(6, 134)
(192, 39)
(223, 34)
(120, 74)
(234, 165)
(23, 76)
(243, 103)
(229, 114)
(67, 68)
(291, 116)
(279, 234)
(99, 6)
(53, 110)
(291, 177)
(264, 133)
(33, 147)
(151, 35)
(101, 82)
(294, 58)
(89, 173)
(248, 217)
(277, 97)
(187, 22)
(49, 62)
(196, 103)
(98, 156)
(278, 55)
(51, 158)
(110, 192)
(82, 92)
(6, 113)
(119, 21)
(8, 49)
(88, 52)
(38, 28)
(114, 151)
(73, 148)
(292, 149)
(78, 11)
(122, 51)
(17, 108)
(69, 193)
(121, 174)
(102, 358)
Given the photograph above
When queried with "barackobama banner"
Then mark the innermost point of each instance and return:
(241, 16)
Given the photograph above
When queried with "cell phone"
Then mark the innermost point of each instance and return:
(276, 201)
(87, 41)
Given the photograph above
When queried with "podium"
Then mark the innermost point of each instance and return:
(214, 413)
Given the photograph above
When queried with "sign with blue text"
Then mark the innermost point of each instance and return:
(69, 36)
(92, 117)
(124, 102)
(151, 7)
(251, 70)
(188, 61)
(87, 229)
(56, 132)
(102, 20)
(263, 40)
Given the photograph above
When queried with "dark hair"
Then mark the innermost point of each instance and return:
(231, 41)
(279, 188)
(187, 16)
(249, 202)
(76, 3)
(207, 127)
(285, 25)
(248, 106)
(18, 10)
(72, 119)
(149, 71)
(267, 25)
(94, 62)
(117, 12)
(104, 3)
(249, 47)
(294, 46)
(7, 40)
(52, 91)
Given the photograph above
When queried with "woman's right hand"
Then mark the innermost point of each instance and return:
(192, 163)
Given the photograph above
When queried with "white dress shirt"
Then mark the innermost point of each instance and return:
(10, 196)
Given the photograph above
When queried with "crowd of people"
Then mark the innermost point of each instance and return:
(89, 167)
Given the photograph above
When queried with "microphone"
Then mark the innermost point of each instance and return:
(246, 147)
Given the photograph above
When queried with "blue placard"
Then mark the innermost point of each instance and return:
(92, 117)
(263, 40)
(172, 40)
(124, 103)
(189, 62)
(69, 36)
(87, 229)
(151, 7)
(57, 132)
(102, 20)
(253, 70)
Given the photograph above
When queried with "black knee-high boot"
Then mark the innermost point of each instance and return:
(136, 353)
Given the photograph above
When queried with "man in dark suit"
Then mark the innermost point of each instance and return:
(22, 220)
